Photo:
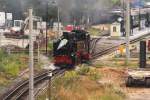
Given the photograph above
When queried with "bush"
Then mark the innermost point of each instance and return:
(86, 70)
(94, 75)
(83, 70)
(99, 65)
(70, 78)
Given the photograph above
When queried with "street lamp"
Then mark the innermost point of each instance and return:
(58, 16)
(58, 20)
(47, 25)
(123, 14)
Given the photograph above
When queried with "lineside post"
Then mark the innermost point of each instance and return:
(49, 86)
(31, 63)
(38, 50)
(142, 54)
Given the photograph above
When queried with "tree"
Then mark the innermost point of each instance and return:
(2, 5)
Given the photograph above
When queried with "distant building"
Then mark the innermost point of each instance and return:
(115, 30)
(2, 19)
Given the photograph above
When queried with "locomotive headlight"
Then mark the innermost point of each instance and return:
(72, 54)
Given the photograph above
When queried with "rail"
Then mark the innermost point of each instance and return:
(21, 90)
(111, 49)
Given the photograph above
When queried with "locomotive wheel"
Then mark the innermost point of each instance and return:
(147, 82)
(129, 82)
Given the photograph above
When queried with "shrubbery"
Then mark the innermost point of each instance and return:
(94, 75)
(82, 85)
(91, 72)
(83, 70)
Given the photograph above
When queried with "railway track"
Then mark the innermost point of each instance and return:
(98, 52)
(93, 44)
(20, 91)
(104, 52)
(111, 49)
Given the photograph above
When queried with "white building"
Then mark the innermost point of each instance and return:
(115, 30)
(2, 19)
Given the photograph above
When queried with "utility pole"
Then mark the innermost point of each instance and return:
(139, 18)
(47, 27)
(58, 20)
(0, 39)
(31, 63)
(127, 31)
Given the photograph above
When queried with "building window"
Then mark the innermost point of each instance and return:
(114, 29)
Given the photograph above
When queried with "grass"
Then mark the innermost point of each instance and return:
(92, 73)
(112, 93)
(10, 67)
(83, 70)
(94, 31)
(117, 62)
(11, 64)
(3, 81)
(110, 96)
(82, 85)
(50, 45)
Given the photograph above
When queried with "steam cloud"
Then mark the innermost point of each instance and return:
(70, 10)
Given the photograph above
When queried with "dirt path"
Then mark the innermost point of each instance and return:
(138, 93)
(116, 76)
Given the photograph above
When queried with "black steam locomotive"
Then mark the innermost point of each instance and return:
(71, 49)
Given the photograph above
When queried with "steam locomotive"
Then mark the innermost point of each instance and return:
(71, 49)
